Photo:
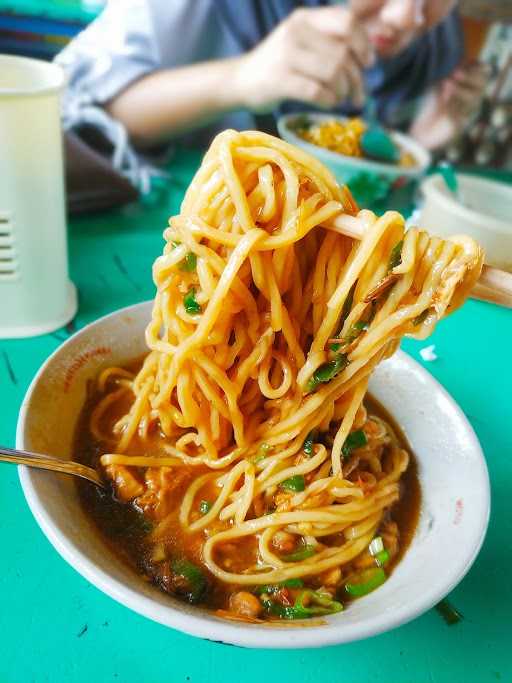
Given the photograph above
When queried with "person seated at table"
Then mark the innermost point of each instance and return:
(162, 69)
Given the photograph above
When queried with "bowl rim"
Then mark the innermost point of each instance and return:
(52, 70)
(216, 629)
(356, 162)
(431, 187)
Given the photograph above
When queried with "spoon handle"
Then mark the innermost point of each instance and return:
(45, 462)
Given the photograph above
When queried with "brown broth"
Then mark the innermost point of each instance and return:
(124, 529)
(406, 511)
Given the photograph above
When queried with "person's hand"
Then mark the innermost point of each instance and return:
(315, 55)
(449, 106)
(463, 91)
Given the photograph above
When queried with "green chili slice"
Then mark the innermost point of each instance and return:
(366, 582)
(190, 303)
(295, 483)
(327, 371)
(353, 441)
(395, 258)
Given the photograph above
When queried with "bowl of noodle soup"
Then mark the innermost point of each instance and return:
(452, 473)
(268, 457)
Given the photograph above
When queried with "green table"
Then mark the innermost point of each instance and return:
(56, 627)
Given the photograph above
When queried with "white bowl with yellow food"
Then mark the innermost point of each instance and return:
(333, 140)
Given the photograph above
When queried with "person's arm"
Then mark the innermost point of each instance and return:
(170, 101)
(449, 106)
(315, 55)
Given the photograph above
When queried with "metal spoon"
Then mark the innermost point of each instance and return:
(47, 462)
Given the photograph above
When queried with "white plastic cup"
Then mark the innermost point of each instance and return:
(36, 295)
(483, 210)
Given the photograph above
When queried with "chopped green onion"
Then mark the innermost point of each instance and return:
(395, 258)
(353, 441)
(355, 331)
(292, 583)
(190, 303)
(189, 262)
(367, 581)
(175, 244)
(295, 483)
(378, 551)
(327, 371)
(264, 449)
(191, 581)
(449, 613)
(308, 445)
(299, 555)
(262, 453)
(270, 589)
(322, 604)
(376, 546)
(382, 558)
(421, 317)
(204, 507)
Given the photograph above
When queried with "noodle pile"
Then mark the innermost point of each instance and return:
(266, 326)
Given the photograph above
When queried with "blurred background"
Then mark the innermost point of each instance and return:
(42, 28)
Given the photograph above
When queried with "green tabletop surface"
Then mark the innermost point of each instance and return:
(55, 627)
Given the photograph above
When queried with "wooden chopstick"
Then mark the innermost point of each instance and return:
(494, 285)
(493, 296)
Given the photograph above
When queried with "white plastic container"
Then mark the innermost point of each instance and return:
(483, 211)
(36, 295)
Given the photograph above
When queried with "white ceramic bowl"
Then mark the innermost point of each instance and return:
(452, 471)
(485, 213)
(369, 180)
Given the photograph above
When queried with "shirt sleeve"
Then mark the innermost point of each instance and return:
(131, 38)
(113, 51)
